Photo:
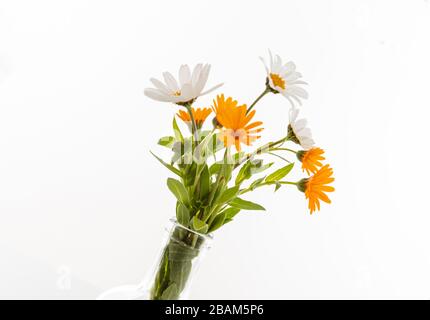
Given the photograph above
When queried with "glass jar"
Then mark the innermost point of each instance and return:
(182, 251)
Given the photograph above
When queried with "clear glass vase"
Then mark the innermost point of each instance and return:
(182, 251)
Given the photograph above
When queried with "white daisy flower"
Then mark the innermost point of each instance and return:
(284, 79)
(298, 132)
(189, 87)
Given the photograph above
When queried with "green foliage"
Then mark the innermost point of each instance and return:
(218, 222)
(256, 183)
(168, 166)
(204, 183)
(215, 168)
(177, 131)
(167, 141)
(280, 174)
(231, 212)
(199, 225)
(178, 189)
(245, 205)
(207, 195)
(182, 214)
(250, 168)
(227, 195)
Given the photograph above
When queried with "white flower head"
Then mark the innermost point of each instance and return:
(189, 87)
(284, 78)
(298, 132)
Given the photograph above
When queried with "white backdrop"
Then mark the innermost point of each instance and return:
(83, 204)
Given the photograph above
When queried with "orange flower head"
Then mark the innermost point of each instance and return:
(200, 115)
(311, 159)
(315, 187)
(236, 123)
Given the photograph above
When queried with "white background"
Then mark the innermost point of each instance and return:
(81, 196)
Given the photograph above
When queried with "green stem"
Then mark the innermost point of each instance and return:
(278, 156)
(265, 148)
(266, 91)
(283, 149)
(267, 184)
(193, 122)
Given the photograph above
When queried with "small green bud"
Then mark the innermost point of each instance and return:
(300, 154)
(301, 185)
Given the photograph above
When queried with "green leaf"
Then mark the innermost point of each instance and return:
(256, 183)
(245, 205)
(215, 168)
(230, 213)
(167, 141)
(177, 131)
(227, 171)
(279, 174)
(199, 225)
(244, 173)
(202, 150)
(204, 182)
(189, 174)
(238, 156)
(168, 166)
(256, 170)
(182, 214)
(277, 186)
(228, 195)
(217, 222)
(178, 189)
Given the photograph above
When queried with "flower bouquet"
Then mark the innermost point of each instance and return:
(213, 175)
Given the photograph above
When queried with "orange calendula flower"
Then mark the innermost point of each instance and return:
(311, 159)
(235, 122)
(315, 187)
(200, 115)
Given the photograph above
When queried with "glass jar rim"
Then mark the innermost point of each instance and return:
(208, 237)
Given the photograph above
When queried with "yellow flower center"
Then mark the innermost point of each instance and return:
(277, 81)
(177, 93)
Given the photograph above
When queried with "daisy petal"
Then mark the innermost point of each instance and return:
(157, 95)
(184, 74)
(171, 82)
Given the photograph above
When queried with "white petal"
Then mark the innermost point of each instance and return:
(297, 99)
(300, 124)
(159, 85)
(306, 142)
(294, 112)
(271, 60)
(298, 91)
(289, 99)
(290, 77)
(184, 74)
(211, 89)
(196, 74)
(187, 92)
(204, 74)
(265, 65)
(297, 82)
(277, 65)
(157, 95)
(290, 66)
(288, 96)
(170, 81)
(306, 132)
